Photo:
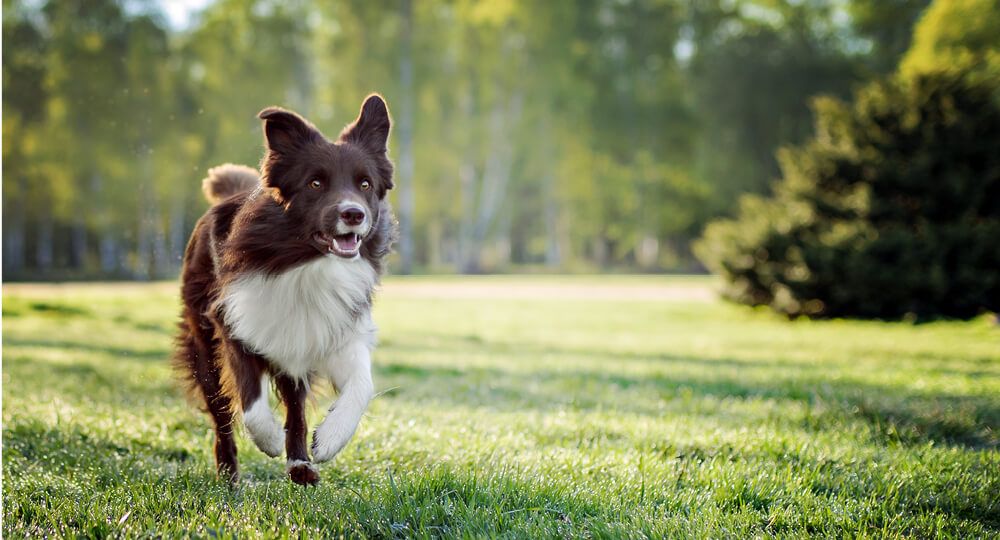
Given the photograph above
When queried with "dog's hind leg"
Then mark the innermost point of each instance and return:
(293, 392)
(351, 372)
(196, 361)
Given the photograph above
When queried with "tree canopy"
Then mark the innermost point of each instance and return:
(589, 135)
(891, 208)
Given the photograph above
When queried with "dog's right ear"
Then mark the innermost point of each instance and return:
(285, 131)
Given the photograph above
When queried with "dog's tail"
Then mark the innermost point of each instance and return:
(227, 180)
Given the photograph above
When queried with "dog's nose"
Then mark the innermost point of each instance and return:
(352, 216)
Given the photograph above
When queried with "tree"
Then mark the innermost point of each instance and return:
(575, 135)
(892, 208)
(23, 106)
(887, 26)
(958, 34)
(755, 70)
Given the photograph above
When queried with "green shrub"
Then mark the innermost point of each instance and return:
(891, 210)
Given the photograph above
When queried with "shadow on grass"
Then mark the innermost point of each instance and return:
(76, 346)
(85, 378)
(44, 308)
(895, 415)
(73, 449)
(476, 344)
(49, 468)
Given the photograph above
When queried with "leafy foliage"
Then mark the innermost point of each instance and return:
(956, 34)
(572, 135)
(893, 208)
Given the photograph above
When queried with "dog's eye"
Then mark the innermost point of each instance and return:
(365, 185)
(315, 184)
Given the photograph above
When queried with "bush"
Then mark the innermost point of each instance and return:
(891, 210)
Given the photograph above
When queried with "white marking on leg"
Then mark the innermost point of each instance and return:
(351, 372)
(293, 463)
(264, 429)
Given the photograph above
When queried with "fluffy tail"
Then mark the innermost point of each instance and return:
(227, 180)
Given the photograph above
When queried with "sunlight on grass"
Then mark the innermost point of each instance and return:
(609, 406)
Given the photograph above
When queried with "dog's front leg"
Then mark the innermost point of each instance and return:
(265, 431)
(293, 393)
(245, 377)
(351, 373)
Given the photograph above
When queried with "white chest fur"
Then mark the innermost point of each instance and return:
(300, 318)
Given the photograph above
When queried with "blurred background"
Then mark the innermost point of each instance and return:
(587, 136)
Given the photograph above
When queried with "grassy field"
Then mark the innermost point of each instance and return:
(521, 407)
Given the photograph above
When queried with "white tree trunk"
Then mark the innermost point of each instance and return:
(144, 235)
(404, 138)
(177, 240)
(492, 187)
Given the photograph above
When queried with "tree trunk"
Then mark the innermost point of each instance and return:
(496, 173)
(404, 138)
(435, 241)
(467, 259)
(553, 253)
(78, 243)
(110, 262)
(553, 250)
(647, 253)
(160, 257)
(144, 240)
(13, 234)
(177, 240)
(44, 251)
(13, 246)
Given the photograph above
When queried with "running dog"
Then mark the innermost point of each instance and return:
(277, 286)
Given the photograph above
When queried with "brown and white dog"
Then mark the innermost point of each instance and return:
(277, 285)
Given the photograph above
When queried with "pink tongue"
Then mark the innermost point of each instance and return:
(347, 242)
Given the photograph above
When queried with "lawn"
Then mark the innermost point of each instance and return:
(521, 407)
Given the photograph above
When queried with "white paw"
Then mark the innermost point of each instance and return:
(296, 463)
(264, 430)
(329, 439)
(273, 446)
(302, 472)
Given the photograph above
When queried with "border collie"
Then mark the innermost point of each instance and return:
(277, 286)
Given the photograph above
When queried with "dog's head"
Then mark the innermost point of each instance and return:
(333, 191)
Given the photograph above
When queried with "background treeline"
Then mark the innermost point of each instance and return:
(589, 135)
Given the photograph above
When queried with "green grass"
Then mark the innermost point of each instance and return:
(602, 409)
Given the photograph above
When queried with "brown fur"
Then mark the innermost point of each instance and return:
(270, 230)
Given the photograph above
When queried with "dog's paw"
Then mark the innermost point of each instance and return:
(229, 474)
(264, 430)
(327, 442)
(272, 444)
(302, 472)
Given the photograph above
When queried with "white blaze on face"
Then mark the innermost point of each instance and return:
(363, 228)
(353, 224)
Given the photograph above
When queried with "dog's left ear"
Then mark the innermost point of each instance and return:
(371, 129)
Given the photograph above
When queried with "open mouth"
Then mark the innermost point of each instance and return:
(344, 245)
